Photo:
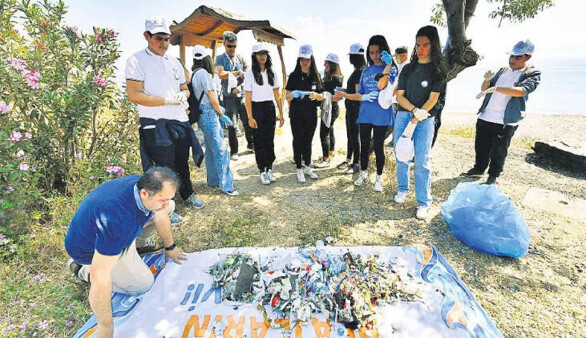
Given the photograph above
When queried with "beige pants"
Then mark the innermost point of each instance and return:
(131, 275)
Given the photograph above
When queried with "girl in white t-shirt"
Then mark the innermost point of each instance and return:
(261, 87)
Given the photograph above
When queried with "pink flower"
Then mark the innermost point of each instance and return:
(112, 168)
(10, 188)
(114, 34)
(33, 79)
(23, 167)
(78, 156)
(4, 108)
(99, 37)
(32, 236)
(99, 81)
(15, 137)
(40, 278)
(28, 135)
(43, 325)
(73, 31)
(17, 64)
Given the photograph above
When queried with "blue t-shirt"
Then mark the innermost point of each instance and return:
(107, 220)
(372, 112)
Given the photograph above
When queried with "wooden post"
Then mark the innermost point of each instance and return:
(214, 51)
(284, 71)
(181, 49)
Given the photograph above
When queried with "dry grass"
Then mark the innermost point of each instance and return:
(539, 295)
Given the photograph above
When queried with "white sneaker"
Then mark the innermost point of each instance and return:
(231, 193)
(271, 176)
(422, 212)
(264, 178)
(363, 177)
(378, 184)
(300, 176)
(310, 173)
(234, 157)
(400, 197)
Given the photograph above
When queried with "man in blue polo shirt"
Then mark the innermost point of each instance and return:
(102, 236)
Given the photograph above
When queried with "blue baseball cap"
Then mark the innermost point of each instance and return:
(522, 48)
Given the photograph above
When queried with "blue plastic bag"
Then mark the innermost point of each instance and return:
(485, 219)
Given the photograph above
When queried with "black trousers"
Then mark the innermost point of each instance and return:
(175, 156)
(492, 145)
(366, 132)
(326, 135)
(352, 132)
(264, 135)
(234, 110)
(303, 125)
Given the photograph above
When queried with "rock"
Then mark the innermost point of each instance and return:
(572, 156)
(555, 202)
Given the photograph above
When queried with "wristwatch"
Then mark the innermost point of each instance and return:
(171, 247)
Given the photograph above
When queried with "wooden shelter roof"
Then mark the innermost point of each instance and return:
(207, 24)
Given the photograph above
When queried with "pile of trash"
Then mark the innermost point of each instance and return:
(348, 289)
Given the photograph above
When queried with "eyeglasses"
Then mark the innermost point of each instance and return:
(160, 38)
(517, 57)
(230, 46)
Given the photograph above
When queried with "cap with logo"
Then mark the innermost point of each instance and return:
(356, 49)
(305, 52)
(259, 47)
(155, 25)
(333, 58)
(199, 52)
(522, 48)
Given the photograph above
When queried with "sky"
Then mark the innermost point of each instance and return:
(332, 26)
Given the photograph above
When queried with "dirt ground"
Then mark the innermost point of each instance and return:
(541, 294)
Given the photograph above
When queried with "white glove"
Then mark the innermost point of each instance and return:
(178, 99)
(488, 75)
(420, 114)
(488, 91)
(409, 130)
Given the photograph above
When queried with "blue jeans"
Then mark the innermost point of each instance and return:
(422, 138)
(217, 157)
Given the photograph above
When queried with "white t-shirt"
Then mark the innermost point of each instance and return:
(400, 68)
(495, 109)
(161, 76)
(260, 93)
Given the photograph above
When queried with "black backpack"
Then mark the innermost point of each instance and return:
(194, 109)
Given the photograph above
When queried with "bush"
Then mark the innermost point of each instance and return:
(62, 117)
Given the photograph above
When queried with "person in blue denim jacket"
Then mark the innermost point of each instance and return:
(505, 95)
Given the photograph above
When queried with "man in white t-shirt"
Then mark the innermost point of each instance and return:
(156, 83)
(505, 94)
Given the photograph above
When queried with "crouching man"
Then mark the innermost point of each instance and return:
(104, 232)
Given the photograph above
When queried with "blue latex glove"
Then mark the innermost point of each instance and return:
(386, 57)
(297, 94)
(369, 96)
(225, 121)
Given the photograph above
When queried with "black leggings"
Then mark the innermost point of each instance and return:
(366, 130)
(264, 135)
(303, 124)
(326, 135)
(352, 131)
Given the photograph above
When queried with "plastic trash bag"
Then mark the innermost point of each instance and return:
(485, 219)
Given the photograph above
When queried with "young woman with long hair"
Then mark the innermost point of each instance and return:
(304, 89)
(261, 87)
(373, 119)
(332, 79)
(420, 84)
(217, 156)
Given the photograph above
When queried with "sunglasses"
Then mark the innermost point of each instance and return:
(231, 46)
(160, 38)
(517, 57)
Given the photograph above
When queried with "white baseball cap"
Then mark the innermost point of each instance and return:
(305, 52)
(199, 52)
(356, 49)
(404, 149)
(260, 47)
(156, 24)
(333, 58)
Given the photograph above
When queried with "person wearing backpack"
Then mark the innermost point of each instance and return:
(261, 86)
(211, 122)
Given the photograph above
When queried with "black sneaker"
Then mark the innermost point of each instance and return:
(473, 173)
(150, 246)
(490, 180)
(353, 169)
(74, 267)
(343, 165)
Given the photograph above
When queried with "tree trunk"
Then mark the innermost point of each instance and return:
(457, 49)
